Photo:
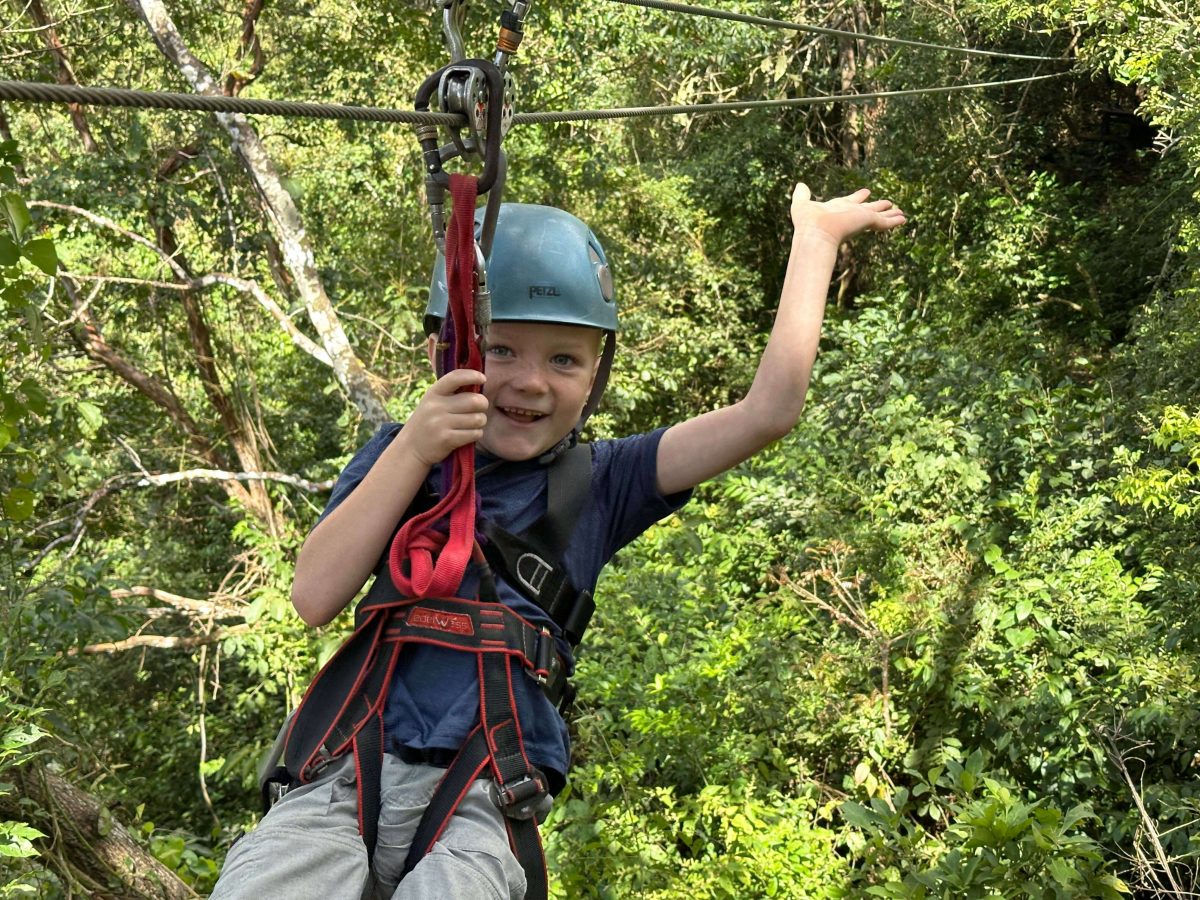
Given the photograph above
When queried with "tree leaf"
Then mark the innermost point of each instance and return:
(10, 253)
(18, 504)
(18, 215)
(90, 417)
(42, 254)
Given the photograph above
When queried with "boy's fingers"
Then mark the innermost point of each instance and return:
(459, 378)
(801, 193)
(466, 402)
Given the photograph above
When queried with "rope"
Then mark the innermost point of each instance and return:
(820, 29)
(589, 115)
(36, 92)
(33, 92)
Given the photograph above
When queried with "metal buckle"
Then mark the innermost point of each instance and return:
(276, 791)
(545, 661)
(525, 798)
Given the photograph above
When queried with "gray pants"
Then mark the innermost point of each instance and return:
(309, 846)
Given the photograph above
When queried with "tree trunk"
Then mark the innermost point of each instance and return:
(848, 71)
(282, 214)
(87, 337)
(93, 847)
(251, 48)
(233, 418)
(63, 73)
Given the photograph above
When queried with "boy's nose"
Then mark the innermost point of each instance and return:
(530, 378)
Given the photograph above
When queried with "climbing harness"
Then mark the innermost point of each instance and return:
(342, 711)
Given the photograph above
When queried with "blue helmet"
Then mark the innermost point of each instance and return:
(545, 265)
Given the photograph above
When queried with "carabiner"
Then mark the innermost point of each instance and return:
(453, 14)
(479, 109)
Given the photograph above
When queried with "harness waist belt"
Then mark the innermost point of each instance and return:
(478, 627)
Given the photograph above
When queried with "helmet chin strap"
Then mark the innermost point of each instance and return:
(593, 400)
(602, 372)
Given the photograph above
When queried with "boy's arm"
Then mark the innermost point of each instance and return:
(342, 551)
(696, 450)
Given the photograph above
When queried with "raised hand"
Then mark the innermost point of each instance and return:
(841, 218)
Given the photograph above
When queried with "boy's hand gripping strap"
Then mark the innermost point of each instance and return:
(424, 560)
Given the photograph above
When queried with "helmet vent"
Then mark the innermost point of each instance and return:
(606, 283)
(603, 275)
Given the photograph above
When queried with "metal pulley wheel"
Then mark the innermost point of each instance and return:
(464, 89)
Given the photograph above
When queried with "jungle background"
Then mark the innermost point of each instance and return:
(941, 641)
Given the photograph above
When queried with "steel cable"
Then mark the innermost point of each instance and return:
(585, 115)
(822, 30)
(35, 92)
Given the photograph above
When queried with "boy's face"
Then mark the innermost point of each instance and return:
(538, 378)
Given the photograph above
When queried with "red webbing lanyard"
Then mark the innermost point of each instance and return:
(436, 558)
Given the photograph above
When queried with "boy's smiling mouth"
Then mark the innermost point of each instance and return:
(519, 414)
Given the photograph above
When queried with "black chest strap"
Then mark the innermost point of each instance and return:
(532, 561)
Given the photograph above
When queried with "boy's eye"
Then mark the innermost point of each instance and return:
(498, 350)
(563, 359)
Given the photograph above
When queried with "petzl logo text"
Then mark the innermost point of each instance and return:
(543, 290)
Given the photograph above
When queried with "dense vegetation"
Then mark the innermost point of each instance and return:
(940, 641)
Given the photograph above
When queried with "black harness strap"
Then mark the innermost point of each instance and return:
(533, 559)
(368, 769)
(518, 789)
(467, 767)
(523, 836)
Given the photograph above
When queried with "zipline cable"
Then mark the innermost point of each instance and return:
(587, 115)
(38, 92)
(822, 30)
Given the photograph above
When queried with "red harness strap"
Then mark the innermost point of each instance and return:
(426, 563)
(436, 560)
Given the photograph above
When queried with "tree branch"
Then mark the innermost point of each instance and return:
(121, 481)
(251, 46)
(187, 282)
(315, 487)
(198, 608)
(105, 222)
(87, 337)
(63, 72)
(282, 215)
(88, 839)
(1160, 853)
(299, 338)
(161, 642)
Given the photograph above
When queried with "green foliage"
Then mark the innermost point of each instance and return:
(901, 653)
(23, 400)
(993, 845)
(1168, 483)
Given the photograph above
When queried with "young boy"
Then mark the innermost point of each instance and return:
(543, 364)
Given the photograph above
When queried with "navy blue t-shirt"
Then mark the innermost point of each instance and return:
(433, 702)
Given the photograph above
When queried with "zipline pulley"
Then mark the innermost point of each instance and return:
(484, 94)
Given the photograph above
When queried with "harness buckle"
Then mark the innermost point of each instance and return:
(276, 791)
(544, 657)
(525, 798)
